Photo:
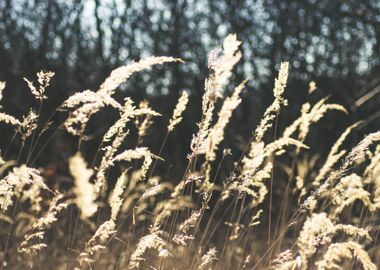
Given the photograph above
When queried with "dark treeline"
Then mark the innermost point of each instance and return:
(335, 43)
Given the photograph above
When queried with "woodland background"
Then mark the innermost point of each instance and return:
(334, 43)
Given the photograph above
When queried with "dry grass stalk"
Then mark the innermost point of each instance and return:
(216, 133)
(9, 119)
(137, 153)
(107, 161)
(28, 125)
(117, 135)
(357, 155)
(257, 168)
(144, 124)
(165, 208)
(77, 122)
(183, 235)
(178, 110)
(116, 199)
(128, 112)
(86, 104)
(151, 241)
(32, 241)
(274, 108)
(97, 243)
(318, 233)
(349, 189)
(333, 156)
(122, 74)
(44, 78)
(285, 261)
(341, 255)
(220, 67)
(208, 258)
(83, 189)
(220, 64)
(24, 127)
(310, 115)
(14, 182)
(89, 97)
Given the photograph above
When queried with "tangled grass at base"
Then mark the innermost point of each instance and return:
(196, 220)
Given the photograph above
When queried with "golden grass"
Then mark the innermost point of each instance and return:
(327, 218)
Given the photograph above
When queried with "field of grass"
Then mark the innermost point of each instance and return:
(325, 217)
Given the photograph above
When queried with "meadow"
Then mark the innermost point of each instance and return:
(117, 212)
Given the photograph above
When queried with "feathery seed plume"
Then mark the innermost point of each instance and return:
(121, 74)
(216, 133)
(116, 200)
(9, 119)
(32, 241)
(151, 241)
(179, 108)
(338, 253)
(208, 258)
(220, 70)
(15, 181)
(44, 78)
(274, 108)
(97, 243)
(83, 189)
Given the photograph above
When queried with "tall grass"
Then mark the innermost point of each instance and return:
(325, 217)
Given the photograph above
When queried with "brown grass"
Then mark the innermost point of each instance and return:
(327, 218)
